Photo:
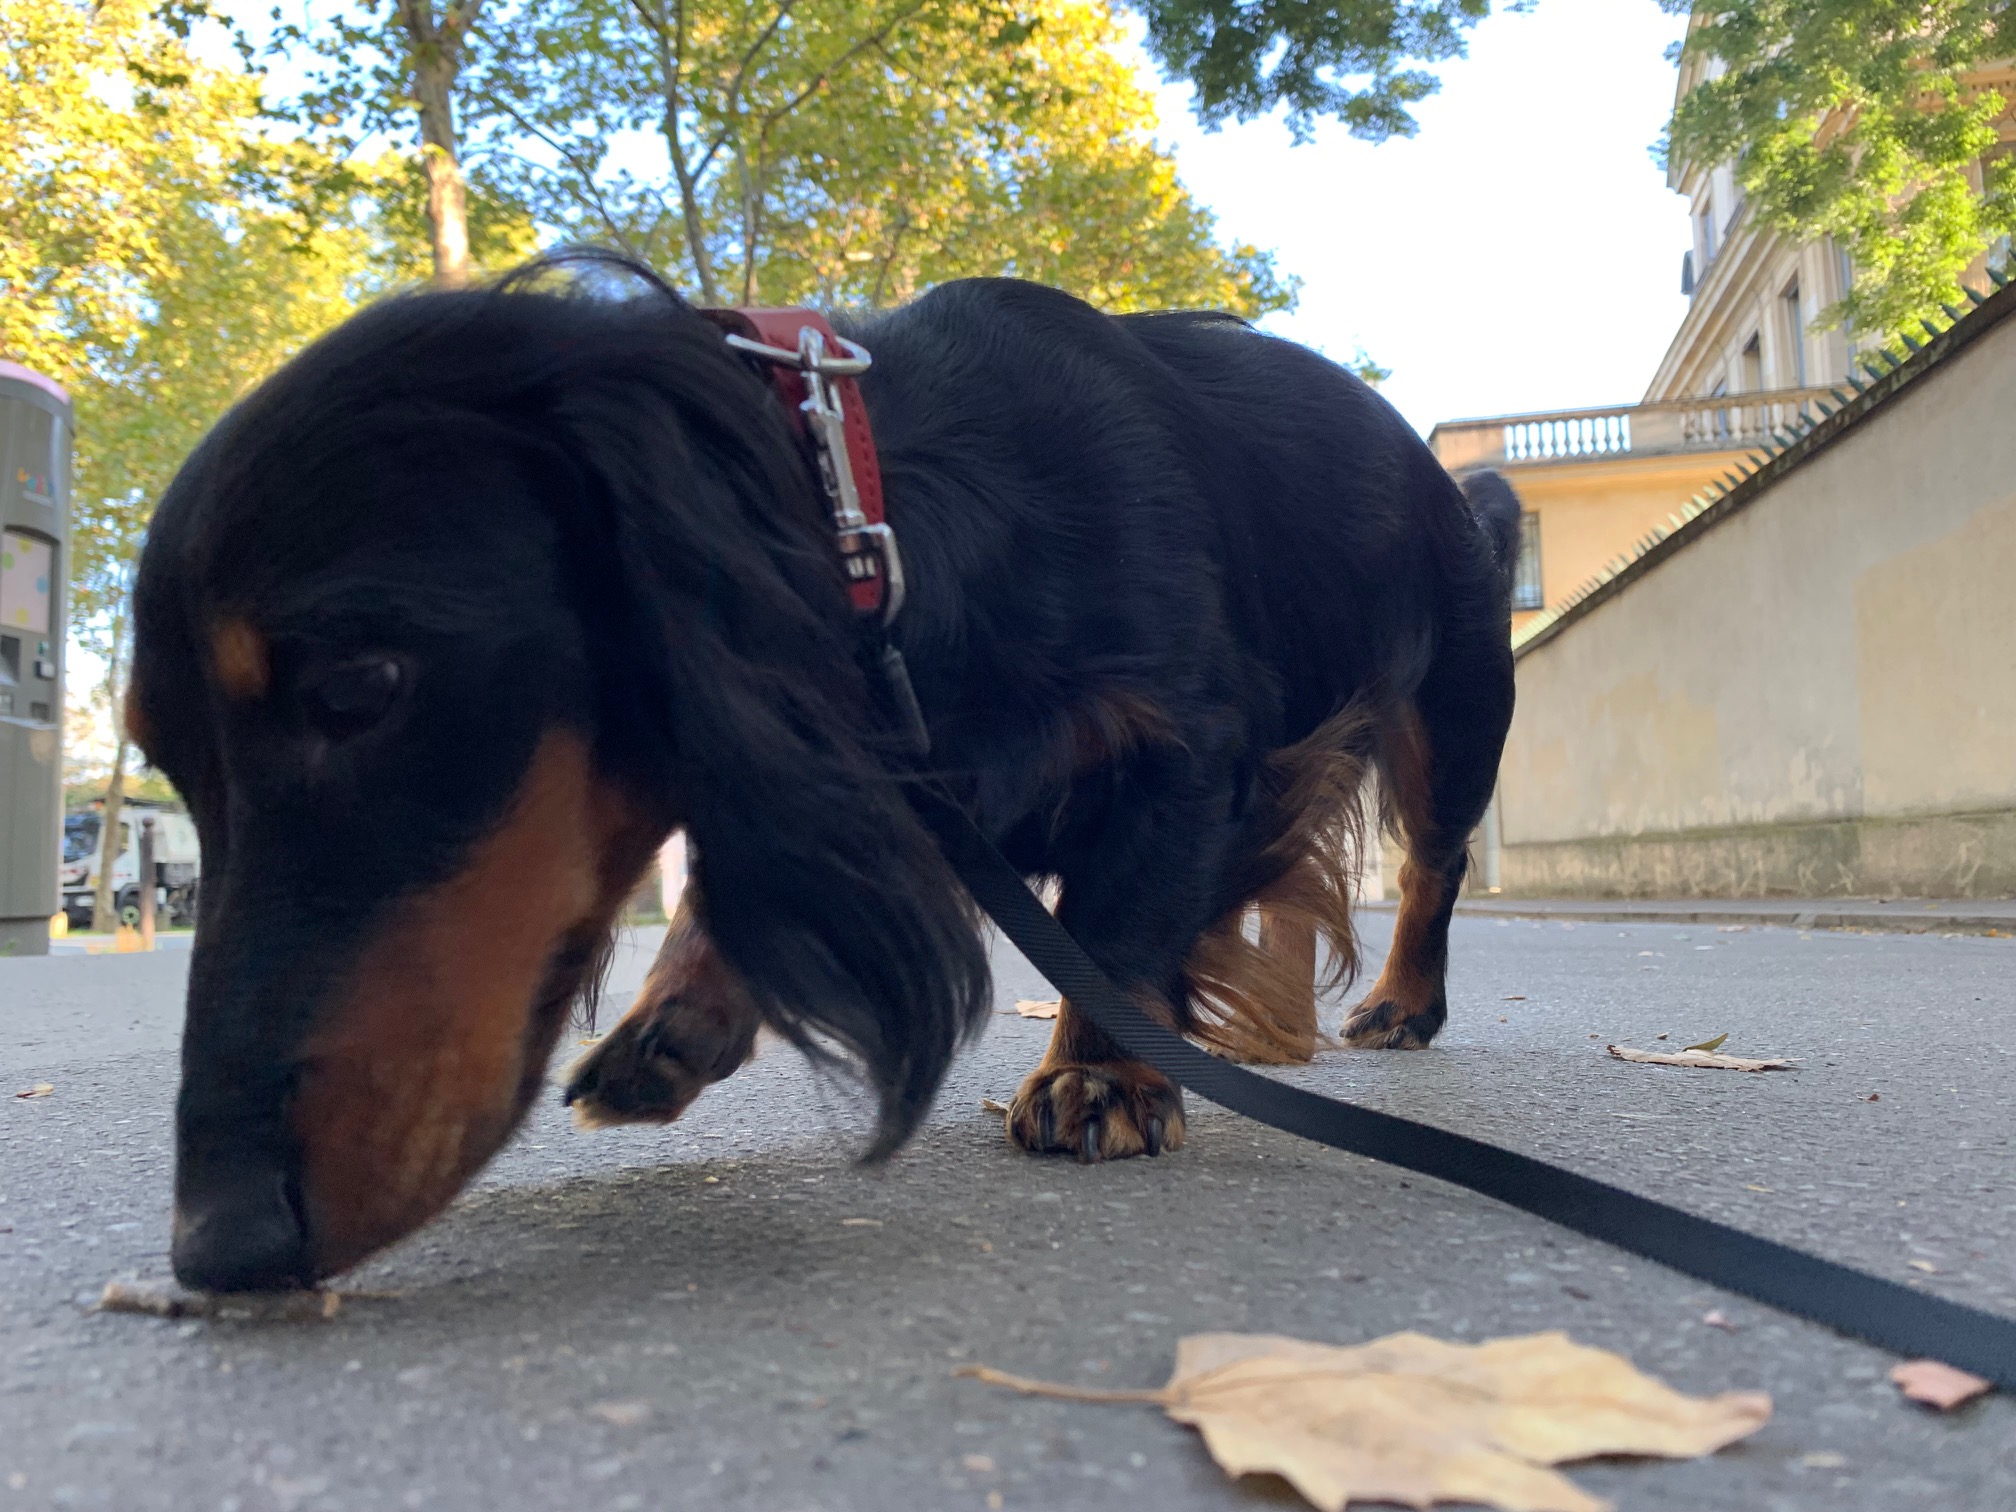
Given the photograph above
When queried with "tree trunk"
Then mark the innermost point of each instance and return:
(670, 80)
(103, 917)
(689, 208)
(434, 53)
(750, 229)
(447, 200)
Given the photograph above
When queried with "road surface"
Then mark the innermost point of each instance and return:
(728, 1314)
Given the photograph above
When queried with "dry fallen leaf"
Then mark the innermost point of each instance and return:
(992, 1106)
(1711, 1045)
(163, 1299)
(622, 1414)
(1923, 1265)
(1938, 1385)
(1698, 1058)
(1417, 1421)
(40, 1089)
(1043, 1008)
(1715, 1319)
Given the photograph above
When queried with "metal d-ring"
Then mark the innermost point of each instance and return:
(853, 365)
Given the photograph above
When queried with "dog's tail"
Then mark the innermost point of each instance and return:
(1498, 511)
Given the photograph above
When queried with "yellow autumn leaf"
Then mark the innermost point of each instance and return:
(1416, 1421)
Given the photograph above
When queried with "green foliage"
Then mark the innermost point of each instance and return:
(1852, 119)
(1347, 59)
(373, 71)
(857, 151)
(141, 263)
(1362, 364)
(168, 236)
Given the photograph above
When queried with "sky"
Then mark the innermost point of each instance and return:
(1521, 252)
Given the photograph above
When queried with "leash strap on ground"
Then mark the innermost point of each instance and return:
(1896, 1317)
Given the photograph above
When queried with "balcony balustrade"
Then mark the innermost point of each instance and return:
(1732, 422)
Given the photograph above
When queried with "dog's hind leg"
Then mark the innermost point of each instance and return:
(692, 1024)
(1290, 941)
(1438, 761)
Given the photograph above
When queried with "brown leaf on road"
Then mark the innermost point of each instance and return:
(1417, 1421)
(1712, 1045)
(162, 1299)
(1043, 1008)
(40, 1089)
(1699, 1058)
(1938, 1385)
(622, 1414)
(992, 1106)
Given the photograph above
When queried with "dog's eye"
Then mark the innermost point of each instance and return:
(352, 696)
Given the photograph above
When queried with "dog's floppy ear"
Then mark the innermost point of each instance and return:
(728, 664)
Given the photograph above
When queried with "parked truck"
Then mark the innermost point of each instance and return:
(178, 865)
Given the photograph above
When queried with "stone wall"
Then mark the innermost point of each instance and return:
(1811, 689)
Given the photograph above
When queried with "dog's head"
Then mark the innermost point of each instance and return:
(440, 633)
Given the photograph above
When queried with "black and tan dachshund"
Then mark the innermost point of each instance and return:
(449, 624)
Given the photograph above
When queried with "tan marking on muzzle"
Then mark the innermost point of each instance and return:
(239, 659)
(424, 1064)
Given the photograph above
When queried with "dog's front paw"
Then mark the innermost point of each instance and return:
(1097, 1112)
(1385, 1022)
(654, 1063)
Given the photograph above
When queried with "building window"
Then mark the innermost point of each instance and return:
(1795, 329)
(1753, 365)
(1526, 590)
(1706, 221)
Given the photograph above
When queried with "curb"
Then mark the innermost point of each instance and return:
(1798, 915)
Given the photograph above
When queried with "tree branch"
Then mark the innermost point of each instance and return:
(824, 75)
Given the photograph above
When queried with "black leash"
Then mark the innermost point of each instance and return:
(1883, 1312)
(1896, 1317)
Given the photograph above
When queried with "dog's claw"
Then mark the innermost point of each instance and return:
(1096, 1112)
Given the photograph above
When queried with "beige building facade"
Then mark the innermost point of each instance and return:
(1749, 362)
(1810, 689)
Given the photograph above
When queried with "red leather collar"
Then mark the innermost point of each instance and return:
(850, 475)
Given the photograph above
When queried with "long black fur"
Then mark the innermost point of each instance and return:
(600, 508)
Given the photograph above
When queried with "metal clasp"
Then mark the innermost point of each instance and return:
(865, 549)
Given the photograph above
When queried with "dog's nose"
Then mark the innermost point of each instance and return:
(249, 1238)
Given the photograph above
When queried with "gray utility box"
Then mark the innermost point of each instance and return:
(34, 562)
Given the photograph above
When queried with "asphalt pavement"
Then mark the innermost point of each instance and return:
(729, 1314)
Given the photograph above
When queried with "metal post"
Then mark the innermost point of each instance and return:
(1494, 842)
(147, 883)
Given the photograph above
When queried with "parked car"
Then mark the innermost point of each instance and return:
(178, 865)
